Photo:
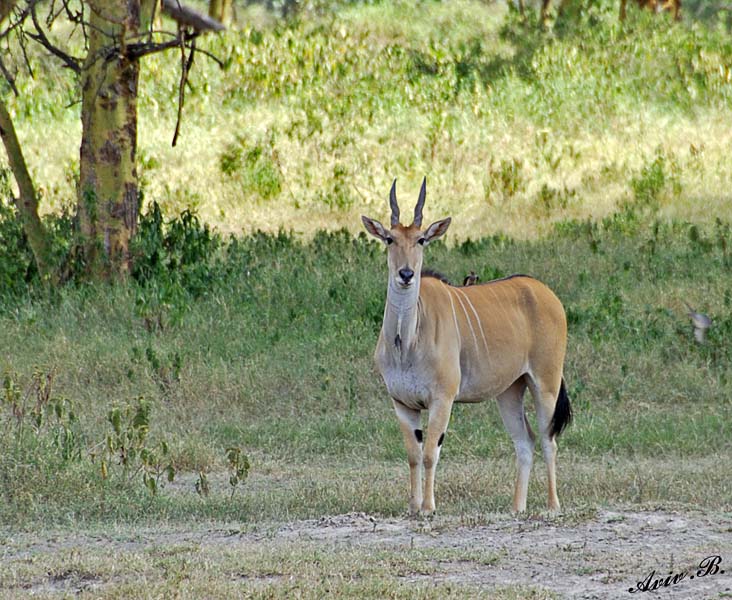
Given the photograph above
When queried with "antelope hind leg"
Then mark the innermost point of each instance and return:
(545, 401)
(511, 407)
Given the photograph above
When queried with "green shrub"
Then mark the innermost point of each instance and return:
(656, 177)
(255, 165)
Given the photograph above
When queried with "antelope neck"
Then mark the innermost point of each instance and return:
(401, 316)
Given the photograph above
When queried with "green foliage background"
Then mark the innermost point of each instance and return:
(592, 157)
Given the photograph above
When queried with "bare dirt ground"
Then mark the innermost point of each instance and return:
(600, 558)
(596, 554)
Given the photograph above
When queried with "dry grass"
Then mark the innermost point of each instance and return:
(466, 551)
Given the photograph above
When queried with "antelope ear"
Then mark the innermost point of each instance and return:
(436, 230)
(375, 228)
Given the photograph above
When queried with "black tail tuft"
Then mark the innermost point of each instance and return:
(562, 412)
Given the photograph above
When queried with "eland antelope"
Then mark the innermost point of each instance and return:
(441, 344)
(655, 6)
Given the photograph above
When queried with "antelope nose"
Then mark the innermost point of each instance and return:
(406, 274)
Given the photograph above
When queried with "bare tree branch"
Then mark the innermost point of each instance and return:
(8, 77)
(22, 42)
(152, 22)
(51, 16)
(73, 63)
(137, 51)
(19, 20)
(213, 57)
(185, 66)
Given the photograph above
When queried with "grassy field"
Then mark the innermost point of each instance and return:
(230, 382)
(267, 346)
(273, 356)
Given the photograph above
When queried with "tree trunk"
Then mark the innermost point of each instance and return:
(220, 10)
(150, 16)
(6, 6)
(108, 184)
(27, 202)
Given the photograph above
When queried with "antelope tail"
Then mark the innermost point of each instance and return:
(562, 412)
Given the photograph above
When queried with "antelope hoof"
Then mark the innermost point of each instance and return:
(427, 509)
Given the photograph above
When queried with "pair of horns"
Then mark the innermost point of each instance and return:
(417, 209)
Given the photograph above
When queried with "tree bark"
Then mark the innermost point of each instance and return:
(108, 201)
(220, 10)
(6, 6)
(150, 12)
(27, 202)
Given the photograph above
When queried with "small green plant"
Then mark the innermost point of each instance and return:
(230, 160)
(549, 199)
(337, 194)
(256, 164)
(659, 176)
(17, 265)
(164, 368)
(698, 241)
(41, 419)
(238, 467)
(41, 441)
(127, 445)
(505, 179)
(202, 486)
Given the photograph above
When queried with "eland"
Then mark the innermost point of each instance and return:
(441, 344)
(656, 6)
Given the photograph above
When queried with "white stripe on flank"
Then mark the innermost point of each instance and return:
(499, 304)
(477, 318)
(454, 316)
(467, 318)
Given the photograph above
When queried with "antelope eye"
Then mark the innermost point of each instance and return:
(421, 241)
(389, 241)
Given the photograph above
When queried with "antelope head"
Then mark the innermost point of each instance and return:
(405, 244)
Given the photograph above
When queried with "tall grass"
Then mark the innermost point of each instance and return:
(264, 343)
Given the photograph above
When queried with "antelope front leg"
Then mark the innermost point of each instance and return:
(409, 422)
(436, 429)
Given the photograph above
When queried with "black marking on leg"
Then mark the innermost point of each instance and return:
(442, 439)
(418, 435)
(398, 342)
